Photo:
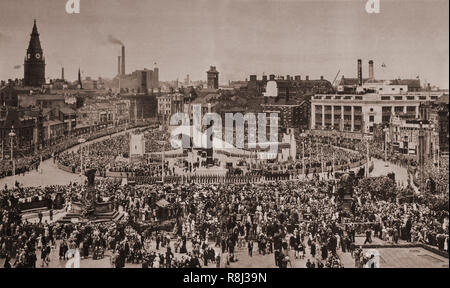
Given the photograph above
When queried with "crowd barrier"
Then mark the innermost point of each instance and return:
(204, 179)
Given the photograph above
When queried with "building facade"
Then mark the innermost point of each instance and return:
(359, 113)
(404, 136)
(212, 78)
(169, 104)
(27, 129)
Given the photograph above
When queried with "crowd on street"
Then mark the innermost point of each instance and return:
(205, 224)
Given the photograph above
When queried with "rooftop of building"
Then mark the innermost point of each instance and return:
(411, 83)
(406, 96)
(52, 123)
(67, 111)
(273, 101)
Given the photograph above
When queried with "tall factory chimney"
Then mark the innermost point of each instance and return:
(371, 76)
(119, 64)
(62, 73)
(359, 72)
(123, 60)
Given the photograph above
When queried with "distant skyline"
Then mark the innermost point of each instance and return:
(239, 37)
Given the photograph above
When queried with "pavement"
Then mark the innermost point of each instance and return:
(397, 255)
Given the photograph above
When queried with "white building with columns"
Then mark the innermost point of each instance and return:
(359, 112)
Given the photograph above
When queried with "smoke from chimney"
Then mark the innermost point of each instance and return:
(371, 74)
(359, 72)
(114, 40)
(123, 60)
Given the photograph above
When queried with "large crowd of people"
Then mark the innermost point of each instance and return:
(27, 163)
(202, 225)
(112, 154)
(210, 225)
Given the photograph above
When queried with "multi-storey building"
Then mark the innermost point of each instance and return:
(359, 112)
(213, 78)
(289, 86)
(404, 136)
(140, 81)
(291, 113)
(111, 112)
(169, 104)
(27, 127)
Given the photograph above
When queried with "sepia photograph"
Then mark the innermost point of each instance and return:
(224, 134)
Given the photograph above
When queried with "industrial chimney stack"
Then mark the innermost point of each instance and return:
(360, 72)
(123, 60)
(119, 64)
(62, 73)
(371, 75)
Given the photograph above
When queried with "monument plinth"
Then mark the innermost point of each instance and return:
(90, 210)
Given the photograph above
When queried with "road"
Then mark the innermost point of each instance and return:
(49, 174)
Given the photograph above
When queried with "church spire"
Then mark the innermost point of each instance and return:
(34, 66)
(35, 31)
(35, 42)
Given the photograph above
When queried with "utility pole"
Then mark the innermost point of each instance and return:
(422, 157)
(385, 146)
(333, 166)
(303, 158)
(11, 136)
(81, 141)
(367, 158)
(321, 159)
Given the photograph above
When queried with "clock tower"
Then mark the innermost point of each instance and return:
(34, 67)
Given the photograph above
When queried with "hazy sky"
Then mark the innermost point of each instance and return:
(240, 37)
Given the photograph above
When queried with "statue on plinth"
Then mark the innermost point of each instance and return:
(89, 194)
(345, 192)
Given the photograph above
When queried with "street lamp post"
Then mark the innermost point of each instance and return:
(81, 141)
(11, 137)
(386, 164)
(368, 158)
(303, 158)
